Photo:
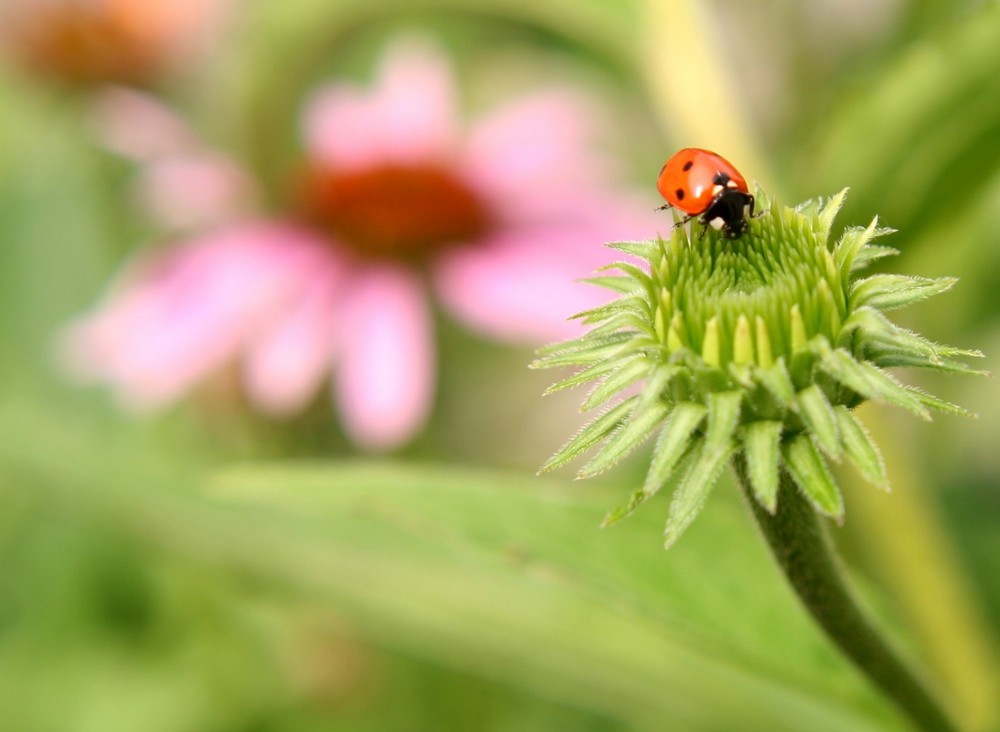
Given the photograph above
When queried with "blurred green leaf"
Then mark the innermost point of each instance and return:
(918, 139)
(496, 574)
(54, 223)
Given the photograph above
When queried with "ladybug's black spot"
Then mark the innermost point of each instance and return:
(687, 166)
(680, 194)
(720, 179)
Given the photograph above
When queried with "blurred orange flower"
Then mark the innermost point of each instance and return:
(92, 42)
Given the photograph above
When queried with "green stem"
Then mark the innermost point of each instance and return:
(805, 554)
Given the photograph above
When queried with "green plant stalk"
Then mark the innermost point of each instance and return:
(913, 554)
(808, 560)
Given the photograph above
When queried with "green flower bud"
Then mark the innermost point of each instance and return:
(759, 348)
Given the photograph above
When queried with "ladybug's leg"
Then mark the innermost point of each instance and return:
(683, 221)
(686, 219)
(691, 217)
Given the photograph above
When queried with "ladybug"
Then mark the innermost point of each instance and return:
(704, 184)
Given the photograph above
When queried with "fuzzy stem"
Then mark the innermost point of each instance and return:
(808, 560)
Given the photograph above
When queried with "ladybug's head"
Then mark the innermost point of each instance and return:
(729, 212)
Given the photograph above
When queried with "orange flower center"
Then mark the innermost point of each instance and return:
(94, 41)
(394, 210)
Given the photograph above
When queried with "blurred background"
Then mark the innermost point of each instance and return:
(186, 545)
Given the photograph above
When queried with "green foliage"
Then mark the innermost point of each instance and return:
(781, 391)
(478, 570)
(143, 589)
(938, 102)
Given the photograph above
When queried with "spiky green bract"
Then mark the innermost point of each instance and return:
(758, 347)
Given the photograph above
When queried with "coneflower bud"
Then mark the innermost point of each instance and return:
(755, 349)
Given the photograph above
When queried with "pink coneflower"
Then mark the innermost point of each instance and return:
(393, 203)
(105, 41)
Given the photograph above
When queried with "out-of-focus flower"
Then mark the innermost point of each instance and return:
(181, 185)
(392, 201)
(91, 42)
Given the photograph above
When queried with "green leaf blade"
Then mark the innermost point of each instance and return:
(890, 291)
(616, 283)
(625, 375)
(635, 303)
(584, 376)
(941, 405)
(819, 417)
(873, 253)
(778, 382)
(762, 449)
(811, 474)
(723, 417)
(672, 444)
(590, 434)
(632, 433)
(829, 209)
(694, 490)
(585, 342)
(647, 249)
(870, 382)
(852, 243)
(586, 352)
(861, 449)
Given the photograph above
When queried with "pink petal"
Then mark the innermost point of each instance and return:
(175, 318)
(286, 365)
(409, 117)
(136, 125)
(195, 190)
(601, 214)
(519, 152)
(384, 384)
(522, 285)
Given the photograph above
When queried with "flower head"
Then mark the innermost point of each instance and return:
(392, 202)
(104, 41)
(756, 349)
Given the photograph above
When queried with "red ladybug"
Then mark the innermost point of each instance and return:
(703, 184)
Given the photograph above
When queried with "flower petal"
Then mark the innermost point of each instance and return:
(285, 367)
(522, 284)
(175, 318)
(498, 290)
(384, 384)
(138, 126)
(519, 151)
(192, 191)
(408, 117)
